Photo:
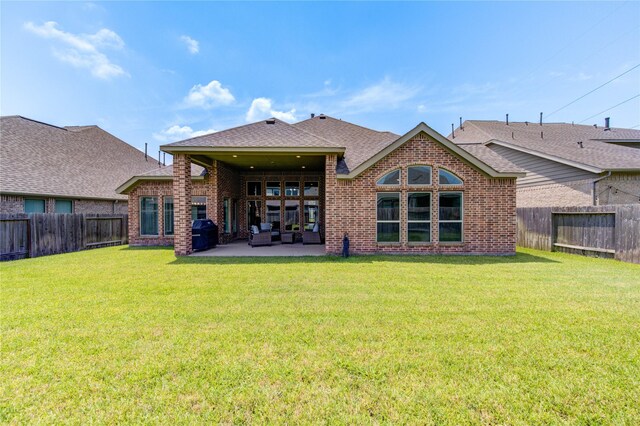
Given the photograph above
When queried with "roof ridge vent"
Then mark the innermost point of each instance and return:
(322, 117)
(270, 121)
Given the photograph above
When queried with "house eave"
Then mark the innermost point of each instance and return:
(65, 196)
(557, 159)
(245, 150)
(126, 187)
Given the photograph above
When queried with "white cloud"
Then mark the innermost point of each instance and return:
(262, 108)
(83, 50)
(193, 46)
(383, 95)
(209, 96)
(422, 108)
(177, 133)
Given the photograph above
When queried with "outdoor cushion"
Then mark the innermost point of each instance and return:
(265, 227)
(254, 229)
(316, 227)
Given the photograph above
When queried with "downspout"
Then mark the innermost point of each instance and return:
(593, 190)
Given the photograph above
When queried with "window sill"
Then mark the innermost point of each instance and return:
(420, 243)
(389, 243)
(149, 236)
(451, 243)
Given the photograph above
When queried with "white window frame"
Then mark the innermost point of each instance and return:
(449, 184)
(390, 221)
(461, 221)
(420, 184)
(165, 199)
(420, 221)
(140, 215)
(390, 185)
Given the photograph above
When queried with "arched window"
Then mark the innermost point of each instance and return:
(391, 178)
(445, 177)
(419, 175)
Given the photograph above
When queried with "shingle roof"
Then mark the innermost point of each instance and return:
(261, 134)
(76, 161)
(492, 159)
(360, 143)
(558, 140)
(168, 171)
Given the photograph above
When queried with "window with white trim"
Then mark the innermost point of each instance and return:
(391, 178)
(149, 216)
(445, 177)
(388, 217)
(168, 215)
(419, 217)
(418, 175)
(450, 216)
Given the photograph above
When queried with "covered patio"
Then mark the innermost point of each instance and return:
(242, 249)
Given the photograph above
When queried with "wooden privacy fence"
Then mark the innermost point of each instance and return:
(41, 234)
(603, 231)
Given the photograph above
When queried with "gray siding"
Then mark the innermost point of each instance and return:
(541, 171)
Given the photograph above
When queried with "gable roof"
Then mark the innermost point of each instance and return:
(270, 133)
(491, 164)
(558, 142)
(77, 161)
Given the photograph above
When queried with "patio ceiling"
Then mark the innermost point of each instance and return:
(267, 161)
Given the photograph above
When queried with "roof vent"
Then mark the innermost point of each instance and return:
(322, 117)
(580, 144)
(271, 121)
(606, 124)
(312, 115)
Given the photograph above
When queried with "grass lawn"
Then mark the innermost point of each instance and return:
(135, 335)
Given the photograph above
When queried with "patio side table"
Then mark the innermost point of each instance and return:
(287, 237)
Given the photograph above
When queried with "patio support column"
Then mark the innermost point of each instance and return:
(332, 238)
(182, 204)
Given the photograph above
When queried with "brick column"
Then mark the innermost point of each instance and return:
(332, 237)
(182, 204)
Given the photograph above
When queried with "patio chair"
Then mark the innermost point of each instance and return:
(313, 236)
(257, 238)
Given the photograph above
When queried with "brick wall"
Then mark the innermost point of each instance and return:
(489, 225)
(619, 188)
(556, 195)
(12, 204)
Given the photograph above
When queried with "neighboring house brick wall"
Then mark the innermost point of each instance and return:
(489, 225)
(12, 204)
(556, 195)
(619, 188)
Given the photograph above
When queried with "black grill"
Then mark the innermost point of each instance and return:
(204, 234)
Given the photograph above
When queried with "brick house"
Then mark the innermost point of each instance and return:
(75, 169)
(416, 193)
(565, 164)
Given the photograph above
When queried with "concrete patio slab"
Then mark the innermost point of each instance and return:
(242, 249)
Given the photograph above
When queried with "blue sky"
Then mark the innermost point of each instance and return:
(159, 72)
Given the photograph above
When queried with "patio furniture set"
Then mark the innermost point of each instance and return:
(264, 235)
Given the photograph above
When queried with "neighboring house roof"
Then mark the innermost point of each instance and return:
(558, 142)
(77, 161)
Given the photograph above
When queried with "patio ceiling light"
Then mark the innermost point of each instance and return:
(304, 167)
(235, 156)
(251, 167)
(297, 156)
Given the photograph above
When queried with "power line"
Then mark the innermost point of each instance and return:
(637, 125)
(590, 92)
(609, 109)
